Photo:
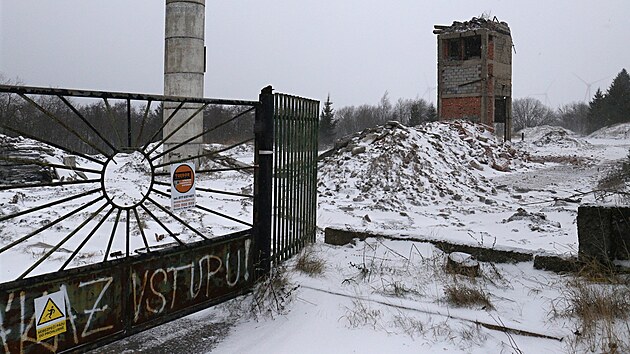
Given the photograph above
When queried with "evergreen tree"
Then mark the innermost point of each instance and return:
(327, 124)
(612, 107)
(618, 99)
(596, 113)
(415, 116)
(432, 113)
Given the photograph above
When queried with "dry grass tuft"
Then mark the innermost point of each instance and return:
(599, 300)
(272, 294)
(309, 263)
(464, 296)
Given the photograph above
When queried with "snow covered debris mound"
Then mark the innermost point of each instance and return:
(393, 166)
(546, 135)
(617, 131)
(20, 150)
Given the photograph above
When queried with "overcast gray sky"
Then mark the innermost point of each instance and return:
(352, 49)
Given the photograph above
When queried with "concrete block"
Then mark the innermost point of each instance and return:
(594, 233)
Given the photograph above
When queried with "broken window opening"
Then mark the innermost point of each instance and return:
(464, 48)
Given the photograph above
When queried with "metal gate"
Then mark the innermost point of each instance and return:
(296, 122)
(123, 264)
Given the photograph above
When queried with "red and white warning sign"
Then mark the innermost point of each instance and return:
(50, 314)
(182, 186)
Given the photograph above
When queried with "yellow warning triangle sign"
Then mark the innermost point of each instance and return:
(51, 312)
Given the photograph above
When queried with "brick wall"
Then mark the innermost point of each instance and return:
(461, 107)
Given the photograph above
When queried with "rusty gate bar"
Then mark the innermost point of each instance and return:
(296, 123)
(30, 90)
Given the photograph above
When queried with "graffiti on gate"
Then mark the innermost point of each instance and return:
(101, 303)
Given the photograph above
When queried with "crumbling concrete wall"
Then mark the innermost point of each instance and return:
(603, 233)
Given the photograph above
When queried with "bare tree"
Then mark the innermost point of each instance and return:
(574, 116)
(530, 112)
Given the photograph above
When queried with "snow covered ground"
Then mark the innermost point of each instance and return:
(383, 296)
(451, 182)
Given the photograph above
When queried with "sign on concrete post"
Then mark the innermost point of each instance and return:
(182, 186)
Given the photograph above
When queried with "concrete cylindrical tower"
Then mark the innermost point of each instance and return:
(184, 67)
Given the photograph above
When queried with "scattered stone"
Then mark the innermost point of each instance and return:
(367, 218)
(358, 150)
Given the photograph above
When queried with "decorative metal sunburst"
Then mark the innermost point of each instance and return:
(125, 181)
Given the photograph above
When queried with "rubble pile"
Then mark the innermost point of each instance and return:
(617, 131)
(393, 166)
(546, 135)
(475, 23)
(14, 156)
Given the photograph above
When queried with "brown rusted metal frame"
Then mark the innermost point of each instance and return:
(89, 236)
(48, 205)
(207, 154)
(73, 152)
(164, 139)
(175, 147)
(61, 94)
(64, 240)
(47, 226)
(210, 190)
(214, 170)
(94, 130)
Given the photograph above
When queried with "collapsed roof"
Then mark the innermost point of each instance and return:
(474, 24)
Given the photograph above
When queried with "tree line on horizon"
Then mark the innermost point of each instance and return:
(19, 117)
(334, 124)
(605, 109)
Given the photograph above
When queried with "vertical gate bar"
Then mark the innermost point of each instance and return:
(309, 177)
(294, 214)
(263, 180)
(298, 179)
(291, 179)
(281, 175)
(315, 137)
(313, 169)
(304, 169)
(287, 234)
(128, 123)
(285, 192)
(276, 186)
(298, 167)
(127, 232)
(307, 172)
(300, 199)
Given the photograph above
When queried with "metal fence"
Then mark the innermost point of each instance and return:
(296, 122)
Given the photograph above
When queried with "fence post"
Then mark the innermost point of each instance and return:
(263, 181)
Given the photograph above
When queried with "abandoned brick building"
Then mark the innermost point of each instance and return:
(475, 73)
